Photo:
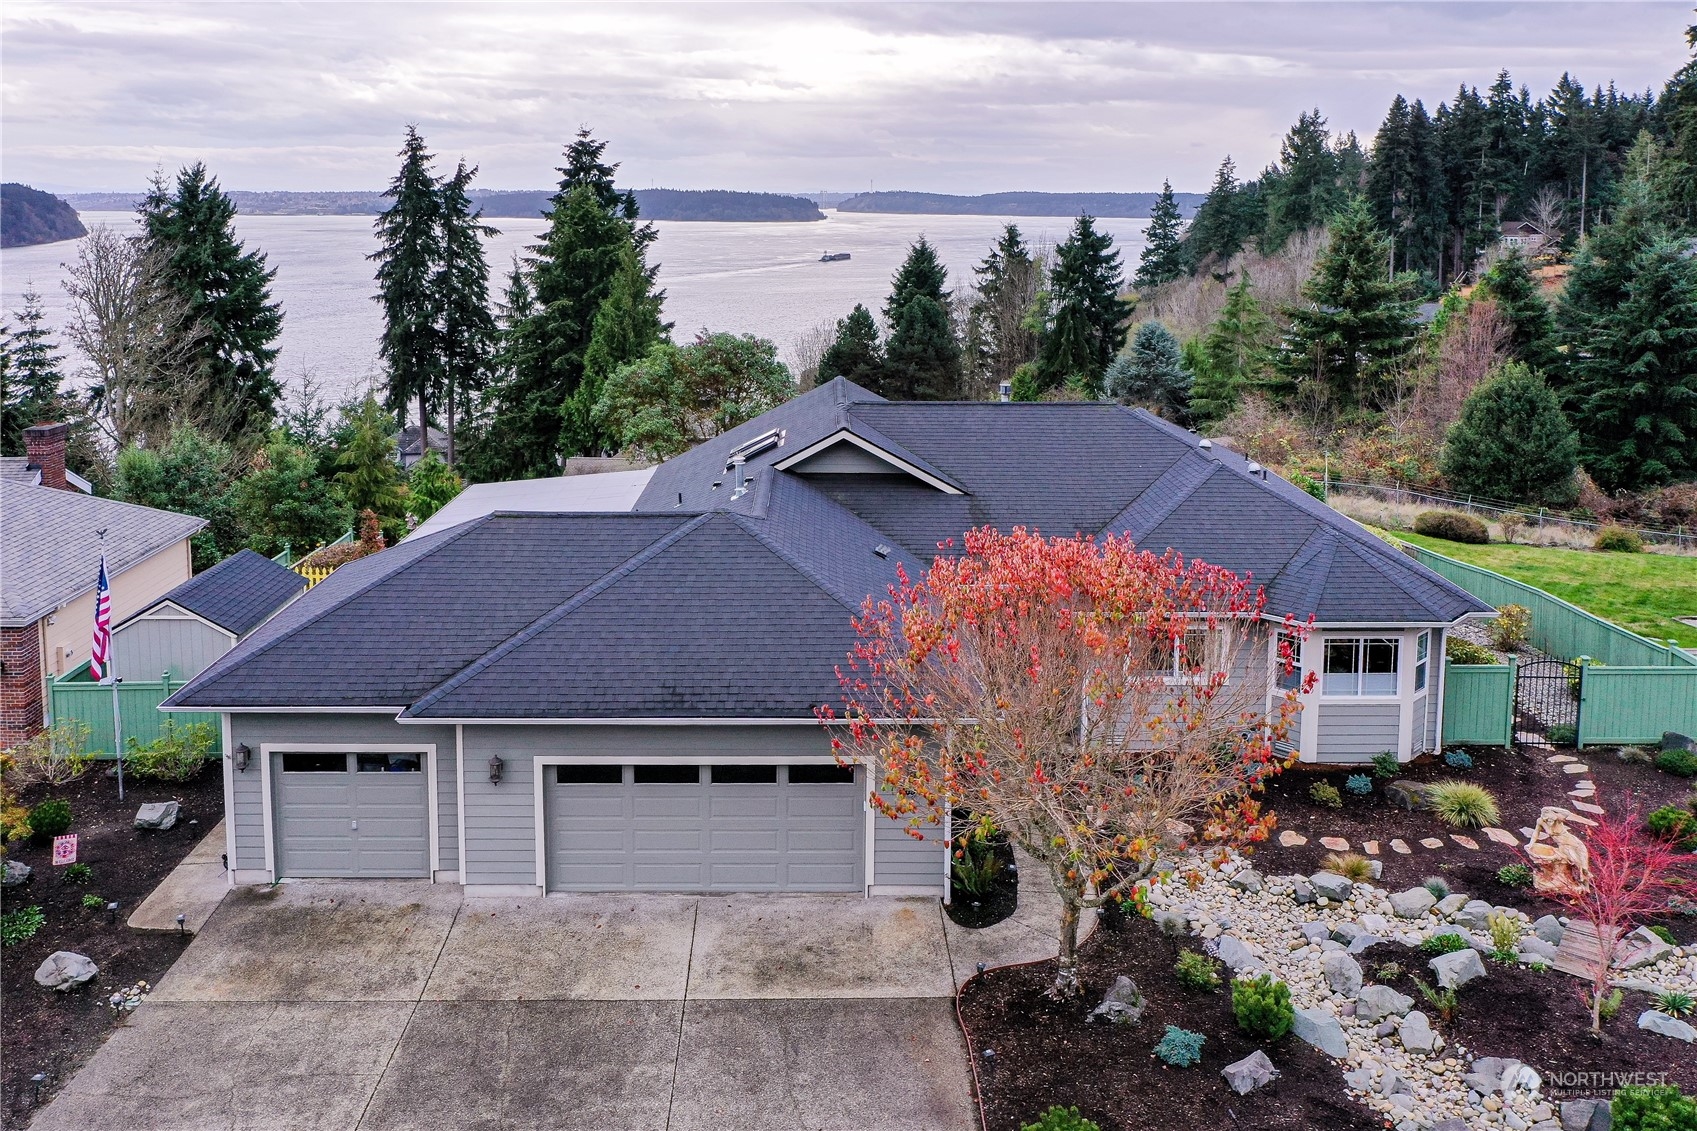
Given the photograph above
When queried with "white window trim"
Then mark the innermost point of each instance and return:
(1402, 672)
(428, 749)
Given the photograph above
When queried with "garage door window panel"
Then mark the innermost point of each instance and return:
(309, 763)
(813, 774)
(667, 775)
(589, 775)
(409, 763)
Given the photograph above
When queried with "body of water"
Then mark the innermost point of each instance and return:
(746, 278)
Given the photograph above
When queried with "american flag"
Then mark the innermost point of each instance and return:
(102, 646)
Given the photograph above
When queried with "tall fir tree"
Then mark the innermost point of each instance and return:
(408, 288)
(468, 332)
(855, 352)
(1678, 106)
(1001, 336)
(367, 470)
(1087, 322)
(626, 327)
(233, 320)
(1308, 187)
(34, 385)
(1512, 442)
(1520, 301)
(1151, 373)
(1236, 351)
(1223, 222)
(1405, 189)
(922, 357)
(1354, 323)
(1162, 259)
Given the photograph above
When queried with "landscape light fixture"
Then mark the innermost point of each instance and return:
(496, 765)
(181, 921)
(38, 1080)
(243, 754)
(112, 911)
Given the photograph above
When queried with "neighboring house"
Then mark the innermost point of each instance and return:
(49, 564)
(43, 464)
(409, 451)
(1523, 234)
(182, 632)
(522, 700)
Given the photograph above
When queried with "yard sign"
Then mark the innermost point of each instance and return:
(65, 849)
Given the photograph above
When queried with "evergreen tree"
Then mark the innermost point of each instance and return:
(1308, 188)
(1236, 351)
(1151, 372)
(232, 320)
(626, 327)
(34, 389)
(1679, 109)
(283, 504)
(1162, 259)
(467, 332)
(1512, 442)
(1224, 221)
(367, 470)
(1405, 189)
(1503, 149)
(677, 397)
(1510, 284)
(191, 474)
(431, 485)
(1470, 225)
(922, 358)
(408, 263)
(1355, 322)
(1087, 324)
(854, 353)
(1001, 334)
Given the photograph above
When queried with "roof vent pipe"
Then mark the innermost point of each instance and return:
(741, 487)
(1004, 392)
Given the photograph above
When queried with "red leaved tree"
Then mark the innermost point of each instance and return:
(1086, 697)
(1633, 876)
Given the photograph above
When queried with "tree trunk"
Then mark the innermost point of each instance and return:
(423, 426)
(1066, 969)
(451, 391)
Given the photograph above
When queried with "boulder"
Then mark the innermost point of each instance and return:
(1375, 923)
(1585, 1115)
(1375, 1003)
(16, 872)
(1302, 892)
(1655, 1021)
(1486, 1075)
(1410, 795)
(1331, 886)
(1320, 1028)
(1416, 1033)
(1347, 933)
(1456, 969)
(1316, 932)
(1451, 904)
(1673, 740)
(159, 815)
(1248, 880)
(1123, 1004)
(1249, 1073)
(1359, 1079)
(1413, 903)
(65, 970)
(1343, 974)
(1472, 914)
(1362, 942)
(1642, 947)
(1235, 954)
(1549, 929)
(1534, 949)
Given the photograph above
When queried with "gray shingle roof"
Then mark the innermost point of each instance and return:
(50, 554)
(238, 593)
(739, 607)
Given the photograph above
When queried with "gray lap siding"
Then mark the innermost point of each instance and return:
(1354, 732)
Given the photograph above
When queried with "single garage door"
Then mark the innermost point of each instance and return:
(351, 814)
(705, 828)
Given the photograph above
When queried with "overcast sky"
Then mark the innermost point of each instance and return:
(945, 98)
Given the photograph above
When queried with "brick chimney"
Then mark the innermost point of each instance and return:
(45, 446)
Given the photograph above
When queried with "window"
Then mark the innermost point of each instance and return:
(1422, 645)
(1360, 667)
(667, 775)
(1190, 657)
(301, 763)
(1288, 662)
(589, 775)
(408, 763)
(821, 775)
(744, 775)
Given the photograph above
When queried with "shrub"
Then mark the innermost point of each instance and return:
(178, 754)
(50, 819)
(1511, 523)
(1505, 933)
(1674, 1003)
(1443, 1002)
(1458, 759)
(20, 925)
(1060, 1118)
(1180, 1047)
(1325, 793)
(1446, 942)
(1662, 933)
(53, 757)
(976, 864)
(1674, 824)
(1388, 972)
(1459, 651)
(1679, 763)
(1358, 784)
(1562, 734)
(1262, 1007)
(92, 902)
(14, 818)
(1196, 971)
(1351, 866)
(1510, 628)
(1652, 1107)
(1609, 1008)
(1451, 526)
(79, 873)
(1437, 885)
(1514, 876)
(1385, 765)
(1618, 540)
(1462, 804)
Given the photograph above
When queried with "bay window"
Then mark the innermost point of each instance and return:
(1360, 666)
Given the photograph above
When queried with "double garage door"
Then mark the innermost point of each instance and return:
(364, 814)
(704, 828)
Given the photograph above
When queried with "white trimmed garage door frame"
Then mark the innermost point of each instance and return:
(538, 783)
(267, 749)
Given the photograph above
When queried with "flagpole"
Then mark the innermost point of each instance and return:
(102, 653)
(118, 733)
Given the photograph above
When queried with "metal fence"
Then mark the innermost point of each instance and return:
(75, 696)
(1478, 704)
(1493, 509)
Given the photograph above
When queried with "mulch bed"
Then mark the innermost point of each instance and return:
(50, 1032)
(992, 906)
(1047, 1054)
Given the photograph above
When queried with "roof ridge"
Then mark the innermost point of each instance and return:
(558, 612)
(772, 545)
(1161, 510)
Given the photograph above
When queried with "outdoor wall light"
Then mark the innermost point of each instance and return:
(243, 754)
(496, 765)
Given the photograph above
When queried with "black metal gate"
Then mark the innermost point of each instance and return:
(1546, 703)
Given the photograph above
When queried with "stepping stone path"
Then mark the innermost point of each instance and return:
(1431, 842)
(1465, 841)
(1370, 847)
(1526, 832)
(1587, 807)
(1576, 768)
(1401, 847)
(1335, 843)
(1562, 759)
(1290, 838)
(1501, 836)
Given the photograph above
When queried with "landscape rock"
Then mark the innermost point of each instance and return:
(1376, 924)
(159, 815)
(1641, 948)
(1123, 1004)
(1316, 932)
(1655, 1021)
(1320, 1028)
(1416, 1033)
(1248, 880)
(1549, 929)
(1362, 942)
(1413, 903)
(1343, 974)
(1451, 904)
(1533, 948)
(1410, 795)
(1302, 892)
(1360, 1079)
(1374, 1003)
(1473, 914)
(1347, 933)
(65, 970)
(1249, 1073)
(1673, 740)
(1457, 968)
(16, 872)
(1585, 1115)
(1486, 1075)
(1232, 951)
(1453, 1123)
(1331, 886)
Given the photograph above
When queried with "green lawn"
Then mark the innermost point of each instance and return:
(1642, 592)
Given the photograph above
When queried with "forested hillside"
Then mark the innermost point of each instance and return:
(29, 216)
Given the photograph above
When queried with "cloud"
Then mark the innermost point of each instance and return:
(962, 98)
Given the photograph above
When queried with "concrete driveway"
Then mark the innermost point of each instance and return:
(390, 1006)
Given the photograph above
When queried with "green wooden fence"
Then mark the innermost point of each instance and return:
(1478, 704)
(75, 696)
(1635, 705)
